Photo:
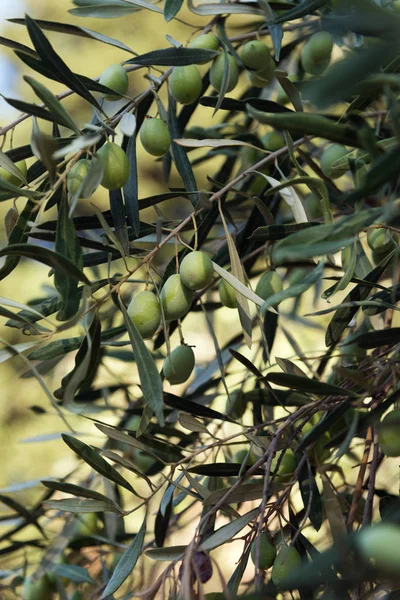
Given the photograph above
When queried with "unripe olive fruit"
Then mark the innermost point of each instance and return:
(227, 294)
(10, 177)
(243, 455)
(115, 77)
(217, 72)
(196, 270)
(381, 240)
(389, 434)
(287, 561)
(273, 140)
(133, 423)
(282, 97)
(86, 524)
(287, 466)
(175, 297)
(267, 552)
(316, 53)
(76, 175)
(236, 406)
(145, 311)
(379, 545)
(155, 137)
(185, 84)
(207, 41)
(329, 157)
(115, 166)
(256, 56)
(142, 460)
(313, 206)
(269, 284)
(37, 590)
(179, 365)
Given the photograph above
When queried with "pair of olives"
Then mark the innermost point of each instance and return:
(115, 165)
(256, 57)
(316, 53)
(283, 563)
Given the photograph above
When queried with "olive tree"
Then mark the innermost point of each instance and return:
(284, 434)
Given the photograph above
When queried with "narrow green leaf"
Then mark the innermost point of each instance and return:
(150, 379)
(227, 532)
(79, 31)
(297, 12)
(127, 563)
(93, 459)
(322, 239)
(76, 490)
(223, 8)
(301, 123)
(74, 505)
(171, 9)
(166, 554)
(310, 386)
(174, 57)
(53, 104)
(55, 62)
(73, 573)
(48, 257)
(103, 11)
(131, 193)
(67, 245)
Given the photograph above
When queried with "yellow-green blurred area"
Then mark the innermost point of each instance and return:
(30, 446)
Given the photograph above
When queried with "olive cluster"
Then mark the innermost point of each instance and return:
(264, 555)
(145, 309)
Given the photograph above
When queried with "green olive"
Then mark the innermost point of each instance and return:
(313, 206)
(227, 294)
(282, 97)
(196, 270)
(256, 56)
(115, 166)
(287, 561)
(176, 298)
(329, 157)
(236, 406)
(379, 546)
(155, 137)
(389, 434)
(37, 590)
(267, 552)
(86, 524)
(207, 41)
(115, 77)
(269, 284)
(243, 455)
(217, 72)
(185, 84)
(142, 460)
(178, 366)
(10, 177)
(76, 175)
(316, 53)
(145, 312)
(381, 240)
(273, 140)
(287, 466)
